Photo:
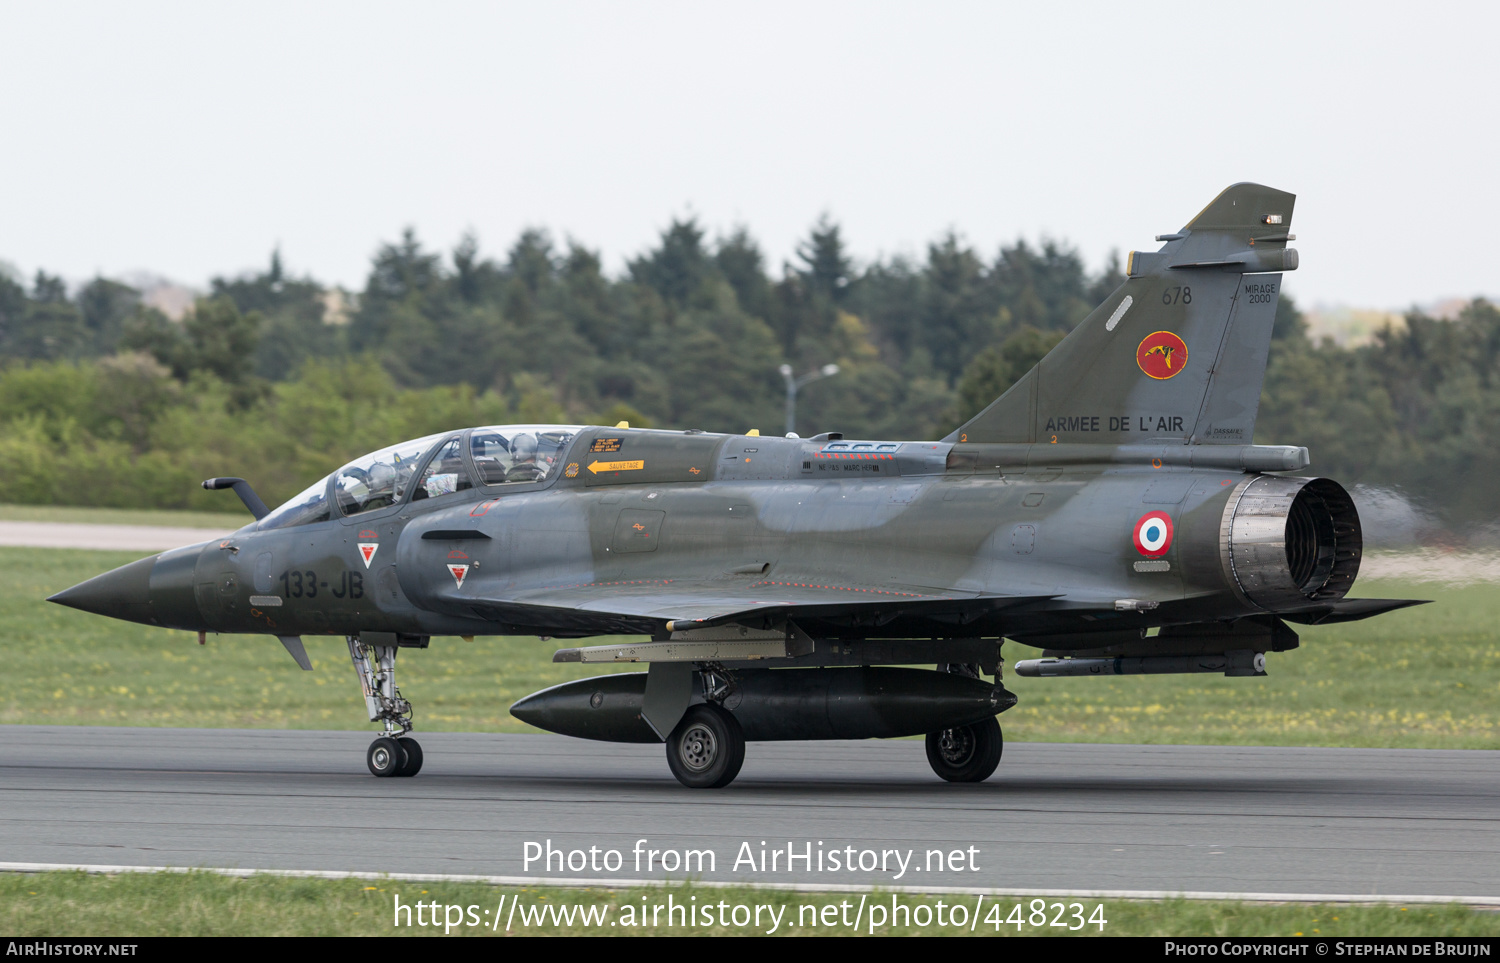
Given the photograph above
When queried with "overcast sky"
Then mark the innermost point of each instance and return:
(190, 139)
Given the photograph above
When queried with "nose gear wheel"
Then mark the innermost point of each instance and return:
(413, 750)
(385, 757)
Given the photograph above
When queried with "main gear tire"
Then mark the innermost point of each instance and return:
(966, 753)
(413, 751)
(707, 748)
(385, 757)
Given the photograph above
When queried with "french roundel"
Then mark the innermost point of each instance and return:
(1153, 534)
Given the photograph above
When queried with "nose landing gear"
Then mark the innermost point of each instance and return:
(395, 753)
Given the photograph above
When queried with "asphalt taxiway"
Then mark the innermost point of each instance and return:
(1054, 817)
(119, 538)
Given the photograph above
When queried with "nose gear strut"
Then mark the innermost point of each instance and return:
(395, 753)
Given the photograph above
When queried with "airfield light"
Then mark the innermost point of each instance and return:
(793, 385)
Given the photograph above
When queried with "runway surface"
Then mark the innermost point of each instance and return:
(1054, 817)
(124, 538)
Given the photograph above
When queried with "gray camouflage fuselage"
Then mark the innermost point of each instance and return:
(765, 520)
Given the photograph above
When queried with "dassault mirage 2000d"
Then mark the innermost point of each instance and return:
(1109, 509)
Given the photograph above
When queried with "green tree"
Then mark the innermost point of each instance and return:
(402, 274)
(1047, 288)
(476, 279)
(531, 260)
(214, 338)
(43, 326)
(678, 268)
(997, 367)
(1109, 279)
(1289, 324)
(826, 268)
(106, 306)
(294, 324)
(959, 316)
(741, 262)
(221, 340)
(13, 303)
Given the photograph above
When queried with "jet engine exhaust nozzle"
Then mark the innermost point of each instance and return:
(1289, 543)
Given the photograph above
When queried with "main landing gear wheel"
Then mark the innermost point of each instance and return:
(385, 757)
(707, 748)
(967, 753)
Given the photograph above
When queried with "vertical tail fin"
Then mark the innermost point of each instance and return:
(1177, 353)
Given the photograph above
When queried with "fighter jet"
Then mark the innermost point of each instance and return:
(1109, 509)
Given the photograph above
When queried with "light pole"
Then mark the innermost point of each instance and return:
(793, 385)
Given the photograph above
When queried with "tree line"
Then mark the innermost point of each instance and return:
(104, 400)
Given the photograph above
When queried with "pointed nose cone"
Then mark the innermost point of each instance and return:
(124, 593)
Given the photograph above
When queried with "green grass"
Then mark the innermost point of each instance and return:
(1426, 677)
(68, 904)
(228, 520)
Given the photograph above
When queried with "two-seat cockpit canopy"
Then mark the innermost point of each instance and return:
(430, 467)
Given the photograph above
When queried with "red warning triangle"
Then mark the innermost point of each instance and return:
(459, 573)
(367, 551)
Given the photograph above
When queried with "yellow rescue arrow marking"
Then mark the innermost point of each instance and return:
(597, 466)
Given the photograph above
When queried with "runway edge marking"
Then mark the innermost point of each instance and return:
(1130, 894)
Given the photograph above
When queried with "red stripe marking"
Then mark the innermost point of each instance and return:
(845, 588)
